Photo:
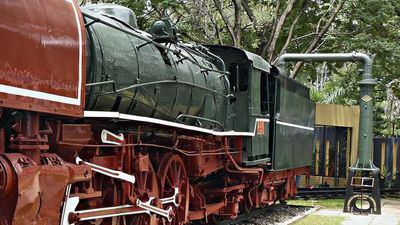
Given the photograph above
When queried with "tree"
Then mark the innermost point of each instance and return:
(392, 106)
(371, 26)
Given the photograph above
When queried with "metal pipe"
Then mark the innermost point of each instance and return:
(367, 84)
(326, 57)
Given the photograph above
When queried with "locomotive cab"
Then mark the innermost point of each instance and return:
(249, 82)
(275, 109)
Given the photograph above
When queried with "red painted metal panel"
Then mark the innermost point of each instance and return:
(42, 56)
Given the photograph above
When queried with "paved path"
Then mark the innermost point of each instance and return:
(390, 215)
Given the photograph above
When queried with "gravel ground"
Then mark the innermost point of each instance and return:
(278, 215)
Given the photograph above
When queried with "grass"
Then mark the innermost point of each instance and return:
(320, 220)
(324, 203)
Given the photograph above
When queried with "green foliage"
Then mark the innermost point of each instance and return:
(392, 107)
(371, 26)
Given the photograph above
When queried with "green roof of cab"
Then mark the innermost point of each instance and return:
(258, 61)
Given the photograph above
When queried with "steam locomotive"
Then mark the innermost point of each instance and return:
(102, 123)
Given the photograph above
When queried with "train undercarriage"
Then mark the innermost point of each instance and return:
(97, 171)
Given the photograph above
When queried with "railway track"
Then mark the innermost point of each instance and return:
(250, 215)
(269, 215)
(325, 193)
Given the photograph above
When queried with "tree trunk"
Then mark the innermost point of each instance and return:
(278, 29)
(318, 37)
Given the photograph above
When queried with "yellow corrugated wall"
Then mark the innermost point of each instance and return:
(317, 158)
(340, 116)
(383, 158)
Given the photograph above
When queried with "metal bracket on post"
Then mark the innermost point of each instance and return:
(363, 196)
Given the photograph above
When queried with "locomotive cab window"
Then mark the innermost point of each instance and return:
(264, 93)
(238, 77)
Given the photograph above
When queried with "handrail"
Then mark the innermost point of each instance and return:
(200, 118)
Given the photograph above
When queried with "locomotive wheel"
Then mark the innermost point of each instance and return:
(172, 174)
(145, 187)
